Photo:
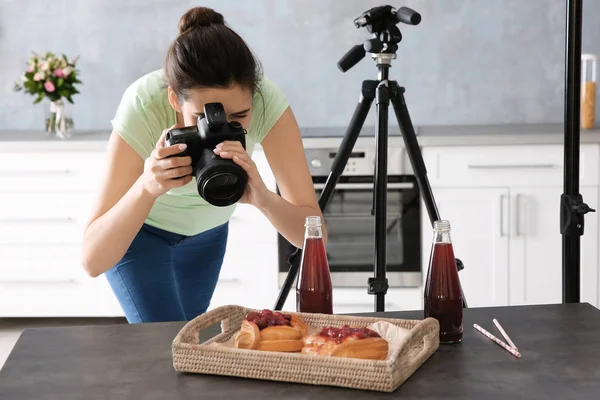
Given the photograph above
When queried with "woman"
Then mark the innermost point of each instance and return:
(158, 242)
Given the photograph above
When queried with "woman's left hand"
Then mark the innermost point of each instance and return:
(233, 150)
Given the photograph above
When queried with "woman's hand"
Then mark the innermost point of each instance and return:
(162, 172)
(256, 188)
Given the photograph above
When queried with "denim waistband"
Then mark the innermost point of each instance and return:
(175, 238)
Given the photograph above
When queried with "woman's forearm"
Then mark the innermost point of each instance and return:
(287, 218)
(107, 238)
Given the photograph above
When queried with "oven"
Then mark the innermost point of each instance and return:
(350, 220)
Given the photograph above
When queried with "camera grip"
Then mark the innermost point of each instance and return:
(182, 154)
(169, 142)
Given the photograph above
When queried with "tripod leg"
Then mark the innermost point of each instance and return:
(415, 156)
(414, 153)
(354, 128)
(379, 284)
(339, 163)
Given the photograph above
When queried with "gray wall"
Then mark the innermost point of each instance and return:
(468, 62)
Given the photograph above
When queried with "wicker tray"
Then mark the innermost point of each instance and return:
(189, 355)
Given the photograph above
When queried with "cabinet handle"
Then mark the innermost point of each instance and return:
(65, 220)
(505, 166)
(518, 214)
(229, 280)
(387, 305)
(41, 280)
(37, 172)
(502, 197)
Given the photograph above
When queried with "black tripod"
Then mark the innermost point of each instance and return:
(572, 206)
(381, 22)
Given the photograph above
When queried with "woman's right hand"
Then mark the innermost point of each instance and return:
(162, 172)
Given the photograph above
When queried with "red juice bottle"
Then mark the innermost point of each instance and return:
(313, 288)
(443, 296)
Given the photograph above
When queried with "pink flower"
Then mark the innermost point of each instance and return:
(30, 69)
(37, 77)
(59, 72)
(49, 86)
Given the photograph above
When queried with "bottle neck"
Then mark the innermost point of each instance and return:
(313, 228)
(441, 237)
(441, 232)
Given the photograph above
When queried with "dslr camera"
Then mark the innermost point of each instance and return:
(220, 181)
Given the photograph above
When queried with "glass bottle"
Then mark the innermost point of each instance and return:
(443, 296)
(313, 288)
(588, 90)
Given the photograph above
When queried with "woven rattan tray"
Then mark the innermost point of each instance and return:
(189, 355)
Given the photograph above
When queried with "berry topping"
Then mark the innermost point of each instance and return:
(266, 318)
(339, 334)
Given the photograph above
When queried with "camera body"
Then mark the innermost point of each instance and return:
(220, 182)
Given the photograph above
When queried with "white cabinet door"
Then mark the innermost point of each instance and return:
(536, 247)
(535, 252)
(590, 276)
(479, 220)
(249, 273)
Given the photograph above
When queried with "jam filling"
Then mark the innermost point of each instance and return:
(339, 334)
(267, 318)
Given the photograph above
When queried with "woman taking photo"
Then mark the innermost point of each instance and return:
(158, 242)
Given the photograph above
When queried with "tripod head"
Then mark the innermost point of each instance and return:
(381, 22)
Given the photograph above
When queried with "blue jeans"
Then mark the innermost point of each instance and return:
(165, 276)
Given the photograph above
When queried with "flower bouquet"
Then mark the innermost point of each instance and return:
(52, 77)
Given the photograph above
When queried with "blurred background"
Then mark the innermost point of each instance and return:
(468, 62)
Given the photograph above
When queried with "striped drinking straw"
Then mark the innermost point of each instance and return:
(498, 341)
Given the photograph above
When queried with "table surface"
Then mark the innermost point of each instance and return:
(560, 346)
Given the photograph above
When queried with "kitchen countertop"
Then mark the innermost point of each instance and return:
(40, 136)
(457, 135)
(560, 348)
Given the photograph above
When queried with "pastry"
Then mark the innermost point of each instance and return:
(350, 342)
(271, 331)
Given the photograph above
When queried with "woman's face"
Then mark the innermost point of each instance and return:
(237, 102)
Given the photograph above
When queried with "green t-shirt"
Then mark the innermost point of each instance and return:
(142, 115)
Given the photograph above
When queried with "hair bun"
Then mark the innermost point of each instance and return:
(199, 17)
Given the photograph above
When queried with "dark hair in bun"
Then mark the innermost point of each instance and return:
(207, 53)
(199, 17)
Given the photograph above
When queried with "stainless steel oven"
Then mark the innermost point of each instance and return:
(350, 220)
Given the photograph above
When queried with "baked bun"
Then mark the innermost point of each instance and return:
(271, 331)
(347, 342)
(199, 17)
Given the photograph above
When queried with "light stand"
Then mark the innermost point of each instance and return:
(572, 207)
(381, 22)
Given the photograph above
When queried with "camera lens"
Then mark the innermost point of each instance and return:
(220, 182)
(221, 186)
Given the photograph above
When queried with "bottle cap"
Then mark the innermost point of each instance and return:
(313, 221)
(442, 226)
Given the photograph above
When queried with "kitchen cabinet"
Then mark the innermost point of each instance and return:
(479, 238)
(46, 191)
(357, 300)
(503, 204)
(45, 206)
(536, 247)
(249, 273)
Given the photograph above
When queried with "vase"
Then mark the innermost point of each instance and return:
(58, 123)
